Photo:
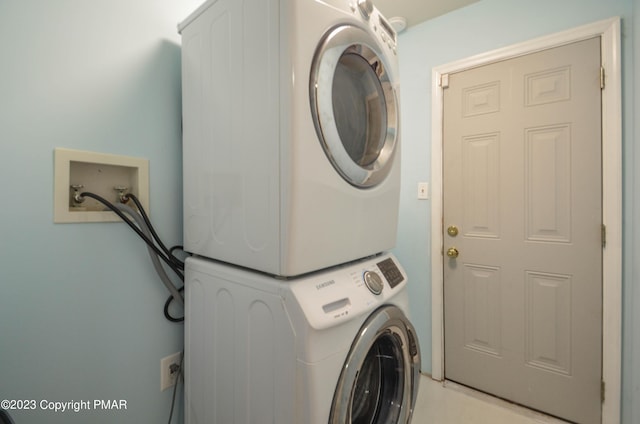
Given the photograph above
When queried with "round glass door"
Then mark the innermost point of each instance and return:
(354, 105)
(379, 380)
(379, 388)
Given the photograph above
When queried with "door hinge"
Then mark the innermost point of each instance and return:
(602, 388)
(604, 236)
(602, 80)
(444, 80)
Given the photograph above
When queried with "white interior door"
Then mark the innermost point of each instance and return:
(522, 198)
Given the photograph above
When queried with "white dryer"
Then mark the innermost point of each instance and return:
(331, 347)
(291, 145)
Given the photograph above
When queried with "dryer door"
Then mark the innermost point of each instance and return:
(379, 381)
(354, 105)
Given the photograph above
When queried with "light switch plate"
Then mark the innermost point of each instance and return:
(423, 191)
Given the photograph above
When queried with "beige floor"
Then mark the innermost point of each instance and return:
(450, 403)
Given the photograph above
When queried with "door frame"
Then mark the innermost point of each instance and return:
(609, 31)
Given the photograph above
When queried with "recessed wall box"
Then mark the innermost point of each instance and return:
(76, 171)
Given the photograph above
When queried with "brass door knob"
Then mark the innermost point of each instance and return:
(452, 230)
(452, 252)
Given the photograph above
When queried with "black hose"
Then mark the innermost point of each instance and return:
(144, 215)
(167, 315)
(174, 263)
(147, 240)
(154, 257)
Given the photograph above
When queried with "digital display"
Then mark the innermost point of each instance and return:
(391, 272)
(384, 24)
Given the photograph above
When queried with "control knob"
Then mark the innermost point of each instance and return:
(373, 281)
(366, 8)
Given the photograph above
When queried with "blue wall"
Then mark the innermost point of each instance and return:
(80, 306)
(481, 27)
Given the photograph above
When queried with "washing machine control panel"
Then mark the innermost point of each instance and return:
(391, 272)
(340, 294)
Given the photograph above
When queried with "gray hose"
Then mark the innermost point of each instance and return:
(154, 257)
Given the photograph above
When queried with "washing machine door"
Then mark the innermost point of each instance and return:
(354, 105)
(379, 381)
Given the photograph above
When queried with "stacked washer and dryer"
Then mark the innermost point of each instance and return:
(295, 310)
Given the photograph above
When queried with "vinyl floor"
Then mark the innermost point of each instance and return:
(451, 403)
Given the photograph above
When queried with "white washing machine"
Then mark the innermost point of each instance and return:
(330, 347)
(291, 145)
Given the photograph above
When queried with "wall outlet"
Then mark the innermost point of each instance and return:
(170, 370)
(98, 173)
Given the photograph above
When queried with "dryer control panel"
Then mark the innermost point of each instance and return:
(376, 21)
(342, 293)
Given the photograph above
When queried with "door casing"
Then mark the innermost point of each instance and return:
(609, 31)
